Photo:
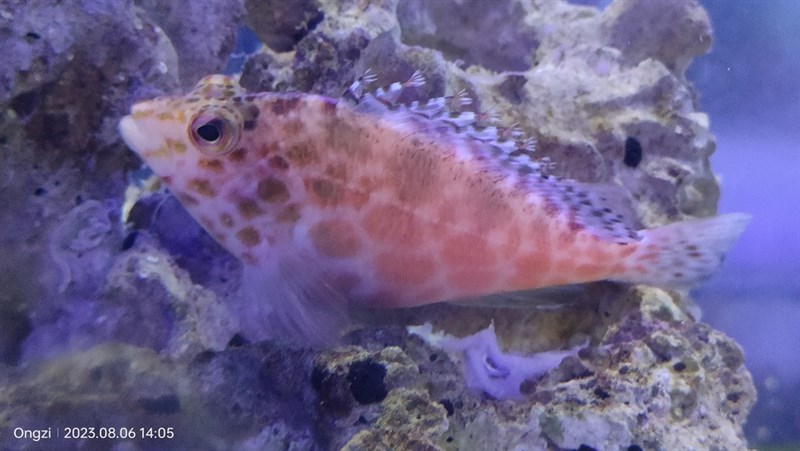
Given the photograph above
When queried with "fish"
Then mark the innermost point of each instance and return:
(367, 201)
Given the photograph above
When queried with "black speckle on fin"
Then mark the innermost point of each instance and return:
(599, 209)
(633, 152)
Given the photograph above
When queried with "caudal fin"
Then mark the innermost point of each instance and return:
(682, 254)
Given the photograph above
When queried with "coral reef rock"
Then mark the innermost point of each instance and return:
(651, 379)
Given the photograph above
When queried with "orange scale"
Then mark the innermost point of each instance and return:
(335, 238)
(626, 250)
(513, 240)
(394, 226)
(530, 271)
(466, 250)
(404, 269)
(597, 253)
(587, 272)
(472, 281)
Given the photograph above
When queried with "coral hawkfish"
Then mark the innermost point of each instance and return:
(367, 201)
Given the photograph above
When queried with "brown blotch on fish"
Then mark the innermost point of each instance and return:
(278, 162)
(350, 139)
(289, 215)
(226, 220)
(301, 154)
(177, 146)
(284, 104)
(267, 149)
(356, 198)
(253, 112)
(326, 191)
(272, 190)
(250, 114)
(249, 236)
(211, 165)
(249, 209)
(249, 258)
(329, 106)
(238, 155)
(202, 187)
(336, 171)
(334, 238)
(187, 199)
(294, 127)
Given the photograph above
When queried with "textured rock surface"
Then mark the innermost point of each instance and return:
(603, 92)
(62, 170)
(68, 283)
(653, 378)
(201, 32)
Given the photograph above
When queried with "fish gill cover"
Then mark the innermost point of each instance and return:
(110, 280)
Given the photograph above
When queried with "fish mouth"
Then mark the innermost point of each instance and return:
(136, 138)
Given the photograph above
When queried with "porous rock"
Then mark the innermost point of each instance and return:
(63, 85)
(203, 33)
(653, 379)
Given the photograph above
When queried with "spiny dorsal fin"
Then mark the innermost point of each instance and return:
(450, 110)
(358, 89)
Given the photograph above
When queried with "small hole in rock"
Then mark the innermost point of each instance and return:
(633, 152)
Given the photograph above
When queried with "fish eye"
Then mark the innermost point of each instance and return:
(215, 131)
(211, 131)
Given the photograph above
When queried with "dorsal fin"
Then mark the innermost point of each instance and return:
(358, 89)
(588, 208)
(450, 110)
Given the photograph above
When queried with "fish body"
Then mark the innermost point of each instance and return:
(374, 203)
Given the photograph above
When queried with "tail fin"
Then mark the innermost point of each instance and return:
(682, 254)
